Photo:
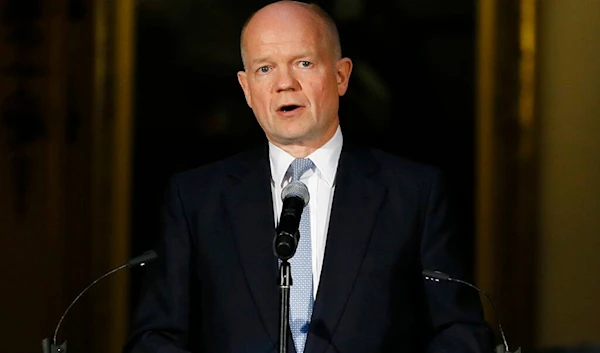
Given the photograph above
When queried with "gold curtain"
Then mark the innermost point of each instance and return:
(65, 117)
(507, 163)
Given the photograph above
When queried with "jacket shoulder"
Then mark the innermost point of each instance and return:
(403, 167)
(212, 174)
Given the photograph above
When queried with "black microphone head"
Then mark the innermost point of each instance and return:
(435, 275)
(142, 259)
(296, 189)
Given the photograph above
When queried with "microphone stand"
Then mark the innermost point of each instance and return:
(285, 282)
(295, 197)
(284, 248)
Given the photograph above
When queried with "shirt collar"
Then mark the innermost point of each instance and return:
(325, 158)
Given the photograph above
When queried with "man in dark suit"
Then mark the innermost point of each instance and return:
(373, 223)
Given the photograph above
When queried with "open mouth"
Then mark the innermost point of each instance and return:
(289, 108)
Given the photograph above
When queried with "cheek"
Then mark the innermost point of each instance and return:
(316, 93)
(259, 98)
(325, 97)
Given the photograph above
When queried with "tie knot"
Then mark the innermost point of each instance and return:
(299, 166)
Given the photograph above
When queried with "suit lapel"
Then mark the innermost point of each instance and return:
(356, 202)
(250, 207)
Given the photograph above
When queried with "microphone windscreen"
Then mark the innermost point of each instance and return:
(296, 189)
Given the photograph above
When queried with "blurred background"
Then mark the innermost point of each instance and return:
(101, 101)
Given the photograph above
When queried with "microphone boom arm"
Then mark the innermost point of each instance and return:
(51, 347)
(504, 341)
(79, 296)
(438, 276)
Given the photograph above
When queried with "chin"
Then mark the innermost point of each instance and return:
(290, 138)
(293, 133)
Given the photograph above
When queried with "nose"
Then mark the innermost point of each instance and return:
(286, 81)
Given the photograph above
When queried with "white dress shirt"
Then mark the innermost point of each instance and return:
(321, 185)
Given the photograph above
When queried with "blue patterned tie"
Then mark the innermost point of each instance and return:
(301, 293)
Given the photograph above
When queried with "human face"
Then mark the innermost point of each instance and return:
(291, 80)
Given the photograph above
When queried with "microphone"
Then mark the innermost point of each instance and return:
(141, 260)
(295, 196)
(437, 276)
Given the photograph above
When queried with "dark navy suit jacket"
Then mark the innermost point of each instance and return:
(214, 287)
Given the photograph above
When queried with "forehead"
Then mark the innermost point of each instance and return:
(285, 38)
(284, 31)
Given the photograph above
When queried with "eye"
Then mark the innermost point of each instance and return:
(305, 63)
(263, 69)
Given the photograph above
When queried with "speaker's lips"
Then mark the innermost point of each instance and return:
(288, 107)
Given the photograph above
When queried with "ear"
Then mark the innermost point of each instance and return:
(343, 70)
(243, 80)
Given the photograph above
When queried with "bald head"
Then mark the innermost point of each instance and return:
(310, 14)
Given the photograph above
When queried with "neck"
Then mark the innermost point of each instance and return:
(298, 151)
(302, 149)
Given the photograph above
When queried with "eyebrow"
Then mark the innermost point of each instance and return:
(262, 59)
(259, 60)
